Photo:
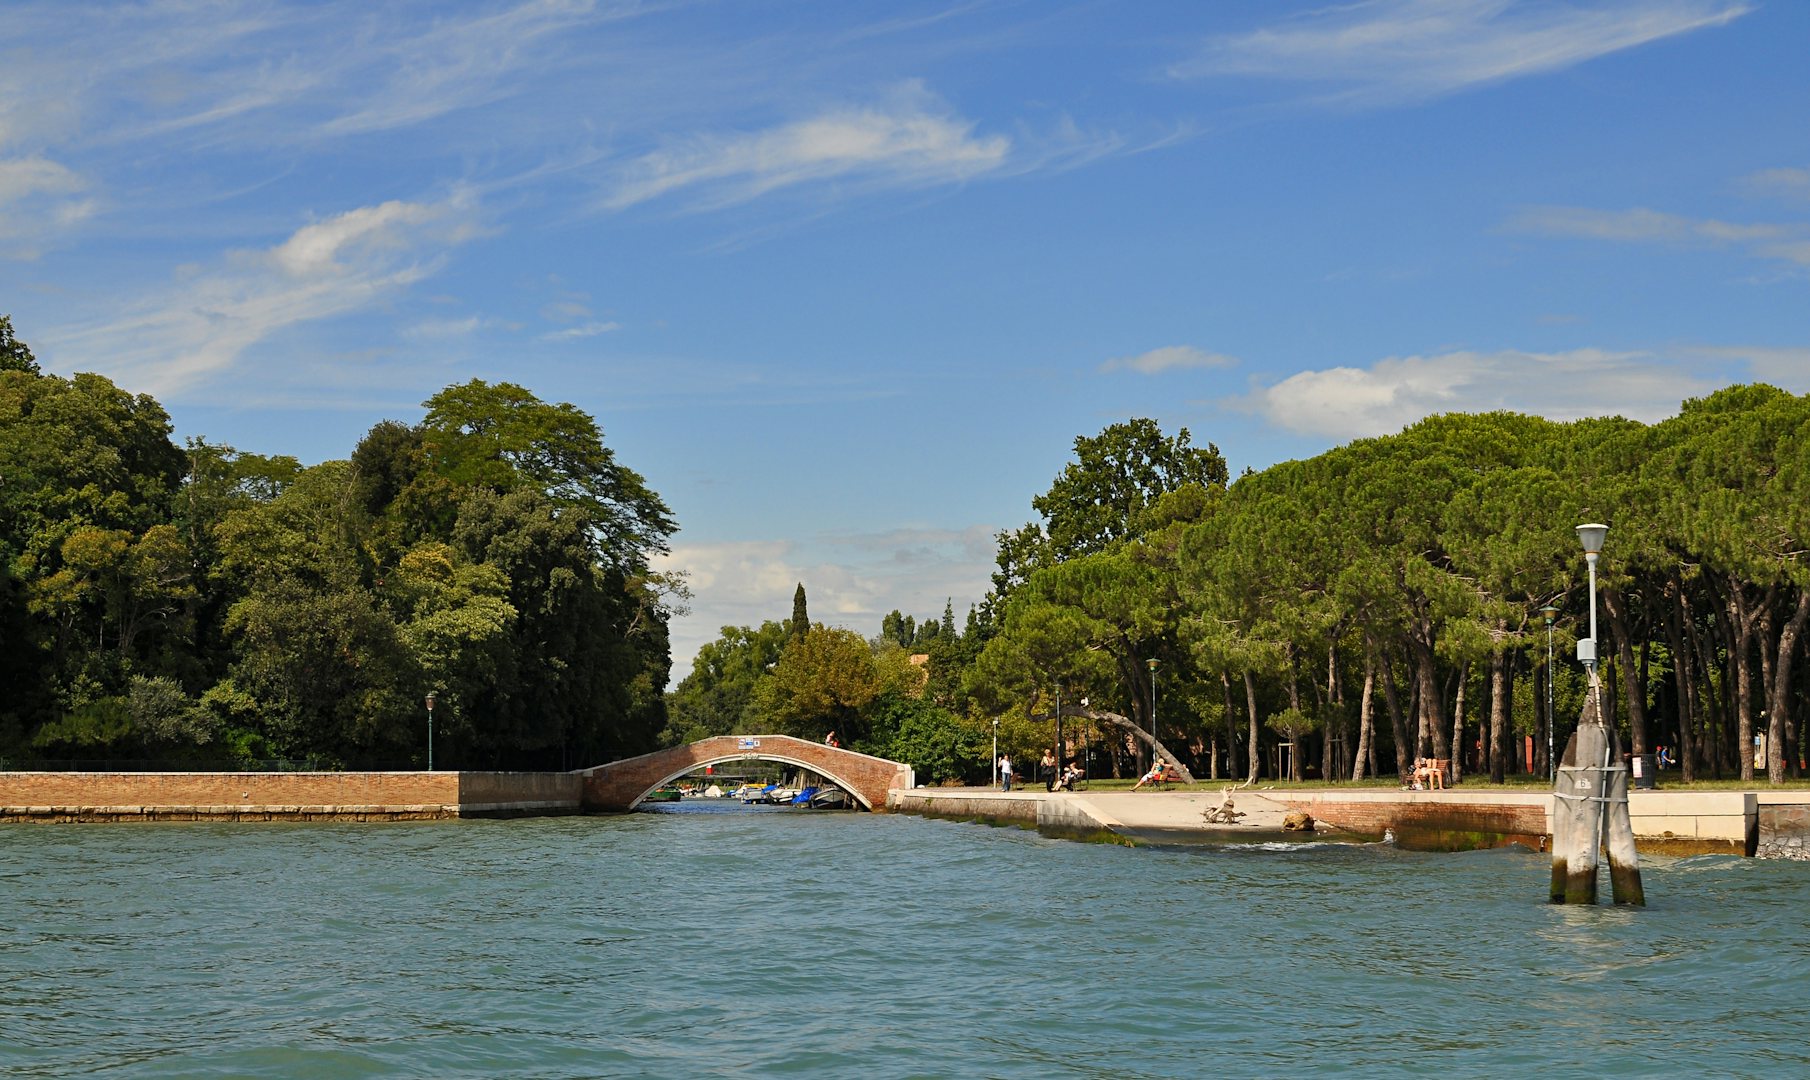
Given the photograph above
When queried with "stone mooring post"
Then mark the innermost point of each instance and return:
(1590, 812)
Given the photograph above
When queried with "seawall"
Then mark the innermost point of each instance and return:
(288, 796)
(1768, 824)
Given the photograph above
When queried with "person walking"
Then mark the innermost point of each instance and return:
(1005, 772)
(1046, 770)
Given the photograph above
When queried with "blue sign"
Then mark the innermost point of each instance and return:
(747, 744)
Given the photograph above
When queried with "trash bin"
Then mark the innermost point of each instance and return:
(1646, 771)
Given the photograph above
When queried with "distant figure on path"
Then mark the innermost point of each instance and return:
(1046, 771)
(1005, 772)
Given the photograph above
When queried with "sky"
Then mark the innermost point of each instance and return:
(844, 281)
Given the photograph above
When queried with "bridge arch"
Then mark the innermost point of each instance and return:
(621, 785)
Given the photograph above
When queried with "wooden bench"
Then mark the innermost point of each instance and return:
(1433, 771)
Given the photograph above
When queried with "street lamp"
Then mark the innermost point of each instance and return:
(1058, 769)
(430, 731)
(1551, 611)
(1151, 663)
(1592, 538)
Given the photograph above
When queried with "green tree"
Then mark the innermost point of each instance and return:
(822, 681)
(14, 354)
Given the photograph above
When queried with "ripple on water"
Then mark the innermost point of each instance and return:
(733, 943)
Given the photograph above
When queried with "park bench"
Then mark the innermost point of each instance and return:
(1432, 772)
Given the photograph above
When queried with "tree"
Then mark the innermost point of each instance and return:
(823, 679)
(1100, 496)
(14, 354)
(801, 619)
(503, 437)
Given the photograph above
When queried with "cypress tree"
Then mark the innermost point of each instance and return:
(800, 621)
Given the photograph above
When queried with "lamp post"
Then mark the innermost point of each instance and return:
(1058, 770)
(996, 751)
(1551, 611)
(1151, 663)
(430, 731)
(1592, 538)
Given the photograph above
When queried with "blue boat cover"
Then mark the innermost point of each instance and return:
(803, 798)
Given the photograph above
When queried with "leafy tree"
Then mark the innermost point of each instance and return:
(823, 679)
(14, 354)
(801, 619)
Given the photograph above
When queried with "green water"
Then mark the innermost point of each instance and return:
(702, 941)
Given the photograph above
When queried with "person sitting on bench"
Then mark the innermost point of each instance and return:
(1158, 774)
(1066, 781)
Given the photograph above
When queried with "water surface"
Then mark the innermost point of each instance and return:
(704, 940)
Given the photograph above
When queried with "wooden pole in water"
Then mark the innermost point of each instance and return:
(1577, 810)
(1618, 833)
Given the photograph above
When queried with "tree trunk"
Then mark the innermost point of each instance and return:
(1225, 685)
(1366, 717)
(1459, 764)
(1615, 604)
(1427, 681)
(1250, 701)
(1683, 668)
(1404, 753)
(1498, 714)
(1779, 708)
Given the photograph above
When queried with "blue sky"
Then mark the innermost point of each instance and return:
(845, 280)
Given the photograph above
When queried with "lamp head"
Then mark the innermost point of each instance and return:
(1551, 611)
(1592, 537)
(430, 701)
(1151, 664)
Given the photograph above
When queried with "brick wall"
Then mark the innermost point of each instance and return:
(262, 796)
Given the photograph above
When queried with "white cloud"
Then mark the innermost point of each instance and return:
(1785, 367)
(909, 140)
(207, 322)
(1779, 183)
(1392, 51)
(850, 580)
(1168, 358)
(37, 199)
(1788, 241)
(577, 333)
(1352, 402)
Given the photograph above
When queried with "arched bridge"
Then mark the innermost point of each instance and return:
(620, 785)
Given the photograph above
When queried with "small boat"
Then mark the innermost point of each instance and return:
(831, 798)
(664, 794)
(804, 796)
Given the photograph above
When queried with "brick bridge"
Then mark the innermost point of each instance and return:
(622, 784)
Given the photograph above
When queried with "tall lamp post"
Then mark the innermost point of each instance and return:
(1592, 538)
(996, 751)
(1551, 611)
(430, 731)
(1151, 663)
(1058, 771)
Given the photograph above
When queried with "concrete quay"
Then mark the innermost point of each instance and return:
(1768, 824)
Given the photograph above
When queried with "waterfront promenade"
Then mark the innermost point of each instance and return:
(1767, 823)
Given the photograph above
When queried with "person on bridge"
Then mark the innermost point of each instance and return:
(830, 740)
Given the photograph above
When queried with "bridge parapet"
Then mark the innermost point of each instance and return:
(620, 785)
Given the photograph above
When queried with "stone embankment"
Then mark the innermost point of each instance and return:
(350, 796)
(1770, 824)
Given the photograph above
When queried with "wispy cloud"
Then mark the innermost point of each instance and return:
(578, 333)
(1355, 402)
(1168, 358)
(38, 198)
(1783, 183)
(1787, 241)
(1381, 52)
(207, 322)
(909, 140)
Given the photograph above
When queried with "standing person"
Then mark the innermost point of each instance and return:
(1005, 772)
(830, 739)
(1046, 770)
